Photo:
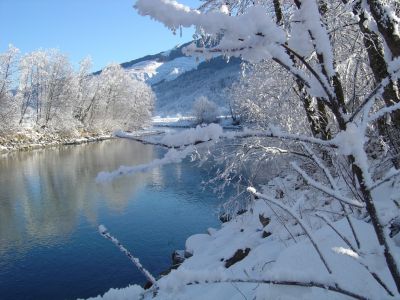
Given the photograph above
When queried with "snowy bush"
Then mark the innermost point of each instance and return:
(205, 111)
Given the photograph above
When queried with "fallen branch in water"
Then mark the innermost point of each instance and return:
(103, 231)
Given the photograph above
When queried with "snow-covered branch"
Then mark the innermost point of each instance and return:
(172, 156)
(310, 284)
(322, 188)
(104, 232)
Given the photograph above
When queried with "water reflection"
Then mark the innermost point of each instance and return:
(45, 192)
(50, 206)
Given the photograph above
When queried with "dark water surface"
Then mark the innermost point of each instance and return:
(50, 207)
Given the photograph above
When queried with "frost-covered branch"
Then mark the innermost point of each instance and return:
(389, 176)
(273, 132)
(333, 185)
(329, 223)
(383, 111)
(310, 284)
(325, 189)
(172, 156)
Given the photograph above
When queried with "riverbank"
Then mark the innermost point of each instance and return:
(30, 139)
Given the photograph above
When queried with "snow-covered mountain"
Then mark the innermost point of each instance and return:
(178, 80)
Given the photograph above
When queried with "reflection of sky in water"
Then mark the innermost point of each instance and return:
(50, 207)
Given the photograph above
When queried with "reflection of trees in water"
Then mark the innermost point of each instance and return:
(44, 193)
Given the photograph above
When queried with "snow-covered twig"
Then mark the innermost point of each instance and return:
(334, 188)
(311, 284)
(277, 150)
(370, 98)
(388, 177)
(297, 218)
(377, 91)
(325, 189)
(373, 274)
(329, 223)
(103, 231)
(277, 133)
(386, 110)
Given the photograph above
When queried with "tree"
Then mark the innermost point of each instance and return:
(45, 85)
(118, 101)
(343, 123)
(8, 105)
(205, 111)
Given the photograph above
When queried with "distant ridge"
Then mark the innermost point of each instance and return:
(178, 80)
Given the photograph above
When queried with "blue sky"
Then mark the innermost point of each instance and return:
(107, 30)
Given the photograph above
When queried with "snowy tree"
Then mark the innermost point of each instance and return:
(8, 105)
(205, 111)
(46, 86)
(118, 101)
(302, 39)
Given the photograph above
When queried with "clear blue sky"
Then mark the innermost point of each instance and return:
(107, 30)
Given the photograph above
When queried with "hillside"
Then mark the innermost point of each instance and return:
(178, 80)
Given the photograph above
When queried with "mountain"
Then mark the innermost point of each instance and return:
(178, 80)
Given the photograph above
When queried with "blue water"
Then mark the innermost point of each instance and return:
(51, 206)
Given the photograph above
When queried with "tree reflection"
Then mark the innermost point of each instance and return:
(45, 193)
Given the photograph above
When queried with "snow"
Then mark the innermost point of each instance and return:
(351, 142)
(172, 156)
(176, 121)
(193, 135)
(102, 229)
(155, 71)
(345, 251)
(257, 20)
(305, 247)
(128, 293)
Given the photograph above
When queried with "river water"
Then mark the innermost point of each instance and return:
(51, 206)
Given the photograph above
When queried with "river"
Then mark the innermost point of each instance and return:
(51, 206)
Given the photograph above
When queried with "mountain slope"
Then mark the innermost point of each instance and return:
(178, 80)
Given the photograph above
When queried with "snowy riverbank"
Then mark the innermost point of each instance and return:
(30, 139)
(254, 257)
(259, 255)
(266, 261)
